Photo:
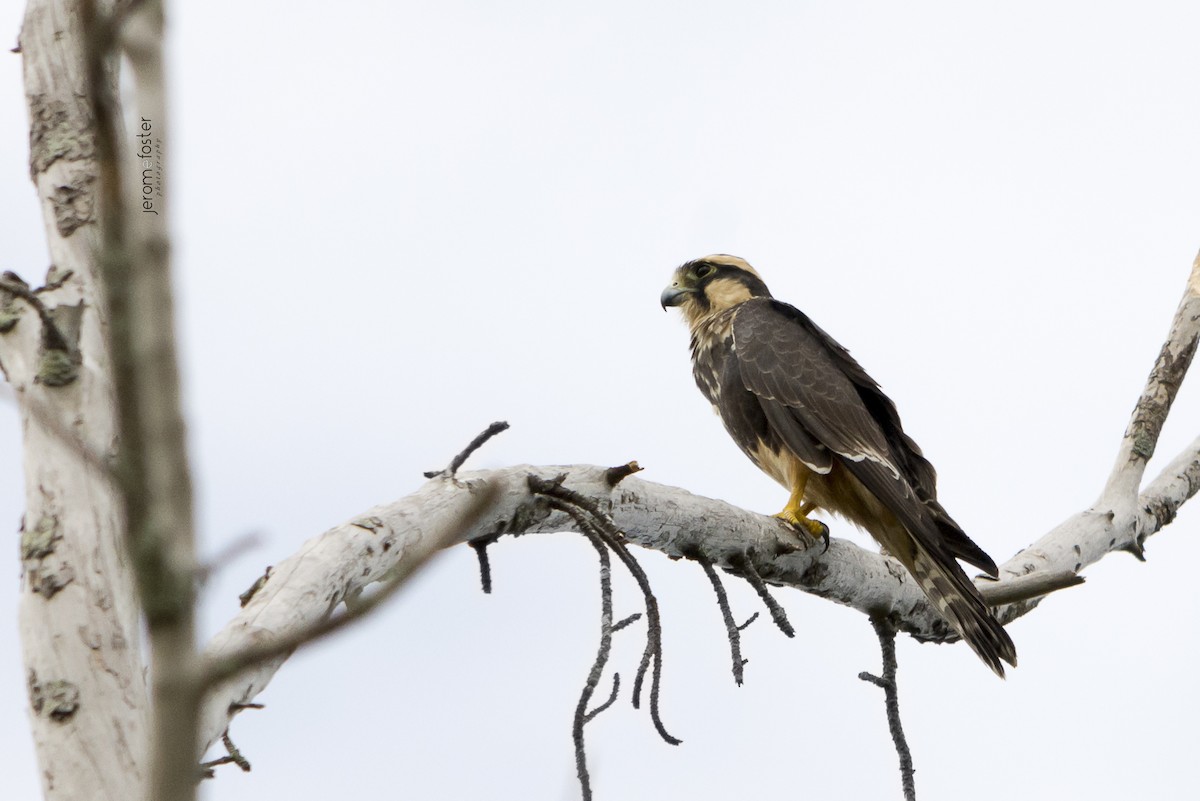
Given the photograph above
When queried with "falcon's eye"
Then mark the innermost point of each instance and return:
(705, 269)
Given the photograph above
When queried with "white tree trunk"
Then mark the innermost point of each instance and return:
(78, 613)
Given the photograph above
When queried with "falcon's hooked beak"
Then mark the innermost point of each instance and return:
(675, 295)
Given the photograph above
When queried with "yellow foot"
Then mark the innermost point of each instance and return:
(814, 528)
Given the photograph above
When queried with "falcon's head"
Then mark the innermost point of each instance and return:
(712, 284)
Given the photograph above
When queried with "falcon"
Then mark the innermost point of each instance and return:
(798, 404)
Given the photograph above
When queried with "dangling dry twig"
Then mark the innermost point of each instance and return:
(732, 629)
(887, 644)
(582, 716)
(587, 513)
(480, 547)
(750, 573)
(232, 757)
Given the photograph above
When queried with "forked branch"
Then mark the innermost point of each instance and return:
(887, 682)
(580, 507)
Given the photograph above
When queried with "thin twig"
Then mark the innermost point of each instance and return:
(52, 336)
(601, 542)
(612, 697)
(636, 616)
(887, 644)
(750, 573)
(732, 629)
(480, 547)
(749, 620)
(572, 503)
(232, 757)
(652, 654)
(234, 753)
(556, 489)
(57, 283)
(606, 614)
(475, 444)
(235, 708)
(258, 584)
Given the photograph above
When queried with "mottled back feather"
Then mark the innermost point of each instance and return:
(821, 406)
(790, 359)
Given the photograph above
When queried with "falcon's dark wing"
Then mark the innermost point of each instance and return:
(811, 388)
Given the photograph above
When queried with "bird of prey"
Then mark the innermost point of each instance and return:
(799, 405)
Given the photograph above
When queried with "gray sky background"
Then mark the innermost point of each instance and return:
(396, 224)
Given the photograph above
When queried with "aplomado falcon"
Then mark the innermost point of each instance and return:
(809, 416)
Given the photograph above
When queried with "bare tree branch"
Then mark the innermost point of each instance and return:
(474, 445)
(582, 716)
(887, 682)
(155, 507)
(480, 547)
(1177, 483)
(680, 525)
(745, 567)
(232, 757)
(52, 335)
(152, 465)
(222, 668)
(1150, 411)
(602, 525)
(1120, 520)
(732, 630)
(1028, 587)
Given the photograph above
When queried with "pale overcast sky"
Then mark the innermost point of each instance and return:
(396, 223)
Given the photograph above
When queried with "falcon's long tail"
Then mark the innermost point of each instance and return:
(956, 598)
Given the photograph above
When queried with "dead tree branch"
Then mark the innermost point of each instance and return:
(480, 547)
(887, 682)
(603, 526)
(361, 551)
(745, 567)
(474, 445)
(1152, 407)
(582, 715)
(680, 524)
(1120, 519)
(219, 669)
(152, 465)
(232, 757)
(227, 665)
(732, 630)
(52, 336)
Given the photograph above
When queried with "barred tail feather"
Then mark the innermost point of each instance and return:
(955, 597)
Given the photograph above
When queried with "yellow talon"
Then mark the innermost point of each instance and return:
(815, 528)
(796, 514)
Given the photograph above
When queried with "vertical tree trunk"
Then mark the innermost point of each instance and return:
(79, 620)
